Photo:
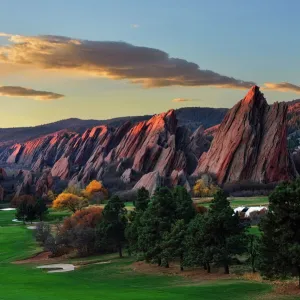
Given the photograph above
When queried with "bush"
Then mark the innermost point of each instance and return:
(43, 231)
(88, 217)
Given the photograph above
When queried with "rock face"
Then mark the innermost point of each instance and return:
(150, 181)
(250, 144)
(155, 147)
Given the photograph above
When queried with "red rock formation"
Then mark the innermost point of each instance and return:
(250, 144)
(150, 181)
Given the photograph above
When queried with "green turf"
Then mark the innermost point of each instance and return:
(115, 281)
(237, 201)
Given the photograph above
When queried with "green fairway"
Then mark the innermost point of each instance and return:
(237, 201)
(108, 281)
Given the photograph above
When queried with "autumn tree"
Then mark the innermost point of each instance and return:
(69, 201)
(204, 189)
(95, 191)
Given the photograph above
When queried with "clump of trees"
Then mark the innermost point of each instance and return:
(28, 208)
(74, 199)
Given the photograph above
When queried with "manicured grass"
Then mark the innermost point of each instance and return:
(237, 201)
(114, 281)
(111, 281)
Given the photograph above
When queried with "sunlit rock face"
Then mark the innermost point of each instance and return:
(157, 146)
(250, 144)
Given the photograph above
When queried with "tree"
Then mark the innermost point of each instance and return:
(40, 208)
(95, 189)
(173, 243)
(229, 237)
(184, 204)
(113, 225)
(198, 242)
(142, 199)
(73, 189)
(280, 242)
(21, 212)
(30, 212)
(158, 219)
(202, 189)
(253, 250)
(69, 201)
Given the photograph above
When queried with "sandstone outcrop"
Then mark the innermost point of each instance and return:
(250, 144)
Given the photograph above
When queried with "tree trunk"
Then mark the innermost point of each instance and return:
(208, 267)
(120, 251)
(167, 265)
(253, 265)
(226, 269)
(205, 266)
(159, 262)
(181, 262)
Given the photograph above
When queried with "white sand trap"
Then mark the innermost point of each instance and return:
(31, 227)
(59, 268)
(16, 220)
(7, 209)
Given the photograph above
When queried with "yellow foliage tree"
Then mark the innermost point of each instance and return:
(95, 187)
(69, 201)
(200, 189)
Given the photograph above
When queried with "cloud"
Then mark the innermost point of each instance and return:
(18, 91)
(181, 100)
(135, 26)
(116, 60)
(282, 87)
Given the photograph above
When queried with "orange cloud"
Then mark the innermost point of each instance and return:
(181, 100)
(282, 87)
(116, 60)
(18, 91)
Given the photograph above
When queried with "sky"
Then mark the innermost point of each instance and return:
(99, 59)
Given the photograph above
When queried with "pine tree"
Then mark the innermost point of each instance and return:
(280, 249)
(114, 223)
(229, 237)
(40, 208)
(142, 199)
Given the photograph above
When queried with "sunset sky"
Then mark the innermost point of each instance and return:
(98, 59)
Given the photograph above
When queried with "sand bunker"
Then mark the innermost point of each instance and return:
(16, 220)
(7, 209)
(58, 268)
(31, 227)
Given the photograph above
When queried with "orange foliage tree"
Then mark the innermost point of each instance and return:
(201, 189)
(88, 217)
(95, 189)
(69, 201)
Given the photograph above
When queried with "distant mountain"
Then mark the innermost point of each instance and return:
(191, 117)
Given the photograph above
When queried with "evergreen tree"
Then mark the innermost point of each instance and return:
(114, 223)
(21, 212)
(225, 229)
(30, 212)
(253, 250)
(142, 199)
(40, 208)
(280, 249)
(198, 242)
(155, 222)
(173, 243)
(184, 204)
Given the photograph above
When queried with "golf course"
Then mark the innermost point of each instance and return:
(116, 279)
